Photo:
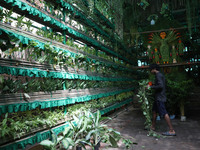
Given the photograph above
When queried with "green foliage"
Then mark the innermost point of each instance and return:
(7, 14)
(35, 85)
(4, 130)
(48, 85)
(128, 143)
(153, 16)
(165, 10)
(155, 134)
(179, 87)
(52, 56)
(97, 130)
(100, 103)
(29, 24)
(20, 21)
(23, 122)
(17, 124)
(146, 100)
(51, 144)
(143, 4)
(86, 129)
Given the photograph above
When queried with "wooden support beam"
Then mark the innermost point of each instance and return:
(171, 65)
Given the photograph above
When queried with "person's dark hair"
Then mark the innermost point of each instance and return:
(154, 66)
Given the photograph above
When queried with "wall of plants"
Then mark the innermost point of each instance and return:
(57, 58)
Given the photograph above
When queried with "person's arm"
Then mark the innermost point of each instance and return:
(160, 84)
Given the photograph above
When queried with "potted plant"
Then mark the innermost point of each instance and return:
(100, 132)
(178, 89)
(51, 144)
(80, 127)
(85, 129)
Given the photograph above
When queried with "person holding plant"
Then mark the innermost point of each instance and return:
(160, 99)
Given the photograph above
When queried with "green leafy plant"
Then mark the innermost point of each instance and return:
(178, 89)
(143, 4)
(4, 130)
(145, 99)
(99, 132)
(86, 129)
(21, 123)
(40, 32)
(97, 129)
(51, 144)
(67, 136)
(128, 143)
(20, 21)
(29, 24)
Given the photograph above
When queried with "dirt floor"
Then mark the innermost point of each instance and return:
(131, 124)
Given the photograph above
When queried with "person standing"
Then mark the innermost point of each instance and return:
(160, 99)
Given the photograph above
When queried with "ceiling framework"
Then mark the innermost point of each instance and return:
(184, 15)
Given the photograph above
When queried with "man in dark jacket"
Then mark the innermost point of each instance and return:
(160, 99)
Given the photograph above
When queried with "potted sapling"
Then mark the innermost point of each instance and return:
(51, 144)
(80, 130)
(100, 132)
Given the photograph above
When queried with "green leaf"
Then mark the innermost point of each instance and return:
(66, 131)
(5, 120)
(104, 118)
(85, 125)
(67, 142)
(98, 116)
(47, 143)
(90, 133)
(54, 137)
(113, 141)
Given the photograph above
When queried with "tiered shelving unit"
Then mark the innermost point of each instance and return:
(59, 69)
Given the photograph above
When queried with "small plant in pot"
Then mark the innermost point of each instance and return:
(80, 128)
(100, 132)
(51, 144)
(85, 130)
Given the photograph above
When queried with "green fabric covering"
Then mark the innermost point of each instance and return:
(48, 103)
(40, 136)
